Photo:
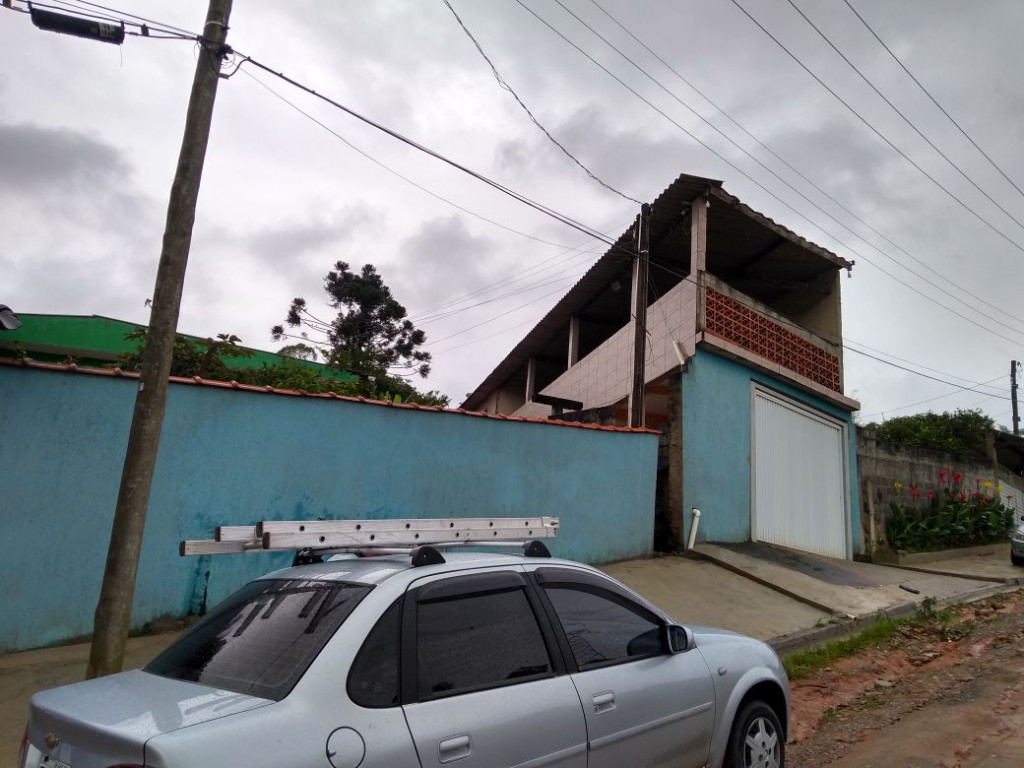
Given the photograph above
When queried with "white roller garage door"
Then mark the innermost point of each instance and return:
(798, 477)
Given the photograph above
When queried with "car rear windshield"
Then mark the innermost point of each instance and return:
(261, 640)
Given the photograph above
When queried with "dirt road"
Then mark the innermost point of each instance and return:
(948, 693)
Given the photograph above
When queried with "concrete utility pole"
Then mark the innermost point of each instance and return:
(114, 609)
(639, 302)
(1013, 397)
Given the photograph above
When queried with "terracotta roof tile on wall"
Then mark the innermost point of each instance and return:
(197, 381)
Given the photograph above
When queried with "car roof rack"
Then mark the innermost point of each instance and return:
(423, 538)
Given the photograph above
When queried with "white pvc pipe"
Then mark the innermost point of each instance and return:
(693, 528)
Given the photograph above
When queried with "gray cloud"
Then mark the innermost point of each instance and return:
(38, 159)
(443, 253)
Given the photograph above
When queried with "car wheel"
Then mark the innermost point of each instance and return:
(756, 740)
(1016, 560)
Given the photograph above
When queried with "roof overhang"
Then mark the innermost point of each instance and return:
(667, 212)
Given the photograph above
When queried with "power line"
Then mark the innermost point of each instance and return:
(929, 400)
(496, 317)
(542, 264)
(847, 341)
(924, 375)
(768, 191)
(878, 133)
(561, 218)
(933, 99)
(792, 168)
(500, 297)
(900, 113)
(134, 16)
(404, 178)
(504, 84)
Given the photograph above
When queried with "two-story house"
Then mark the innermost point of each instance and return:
(743, 371)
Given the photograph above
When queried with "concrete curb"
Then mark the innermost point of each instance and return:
(1018, 580)
(808, 638)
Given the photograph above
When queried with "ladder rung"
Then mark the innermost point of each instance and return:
(405, 527)
(398, 538)
(373, 535)
(236, 533)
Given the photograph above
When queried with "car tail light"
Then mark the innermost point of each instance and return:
(23, 750)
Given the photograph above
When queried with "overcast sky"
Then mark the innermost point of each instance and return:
(89, 138)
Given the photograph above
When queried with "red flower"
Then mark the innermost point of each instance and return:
(977, 482)
(963, 497)
(915, 492)
(931, 495)
(984, 501)
(957, 478)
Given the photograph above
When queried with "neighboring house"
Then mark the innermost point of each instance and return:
(93, 340)
(743, 373)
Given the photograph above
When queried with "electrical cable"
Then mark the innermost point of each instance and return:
(929, 400)
(501, 297)
(847, 341)
(541, 266)
(134, 16)
(504, 84)
(924, 375)
(933, 99)
(956, 284)
(550, 212)
(496, 317)
(406, 179)
(907, 120)
(878, 133)
(779, 199)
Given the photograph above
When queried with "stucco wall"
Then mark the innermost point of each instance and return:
(235, 457)
(716, 445)
(882, 465)
(603, 377)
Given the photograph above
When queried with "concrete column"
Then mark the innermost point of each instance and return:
(574, 340)
(638, 311)
(698, 236)
(674, 492)
(531, 379)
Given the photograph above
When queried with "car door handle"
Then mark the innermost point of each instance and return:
(454, 748)
(603, 702)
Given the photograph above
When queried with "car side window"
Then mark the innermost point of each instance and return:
(373, 679)
(603, 628)
(476, 641)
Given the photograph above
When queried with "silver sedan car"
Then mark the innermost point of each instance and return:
(483, 660)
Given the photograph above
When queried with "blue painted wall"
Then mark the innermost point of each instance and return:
(716, 445)
(235, 457)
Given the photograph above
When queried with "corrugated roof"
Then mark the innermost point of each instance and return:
(197, 381)
(665, 212)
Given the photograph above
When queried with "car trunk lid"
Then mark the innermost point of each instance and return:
(108, 721)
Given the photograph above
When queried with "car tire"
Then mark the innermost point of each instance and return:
(1016, 560)
(756, 740)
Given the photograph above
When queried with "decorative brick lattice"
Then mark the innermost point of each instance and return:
(728, 319)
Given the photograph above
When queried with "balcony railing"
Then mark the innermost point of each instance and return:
(733, 317)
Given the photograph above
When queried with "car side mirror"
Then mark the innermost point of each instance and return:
(677, 639)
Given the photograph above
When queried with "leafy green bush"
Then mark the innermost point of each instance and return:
(963, 433)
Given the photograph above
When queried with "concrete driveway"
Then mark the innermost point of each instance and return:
(699, 592)
(846, 588)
